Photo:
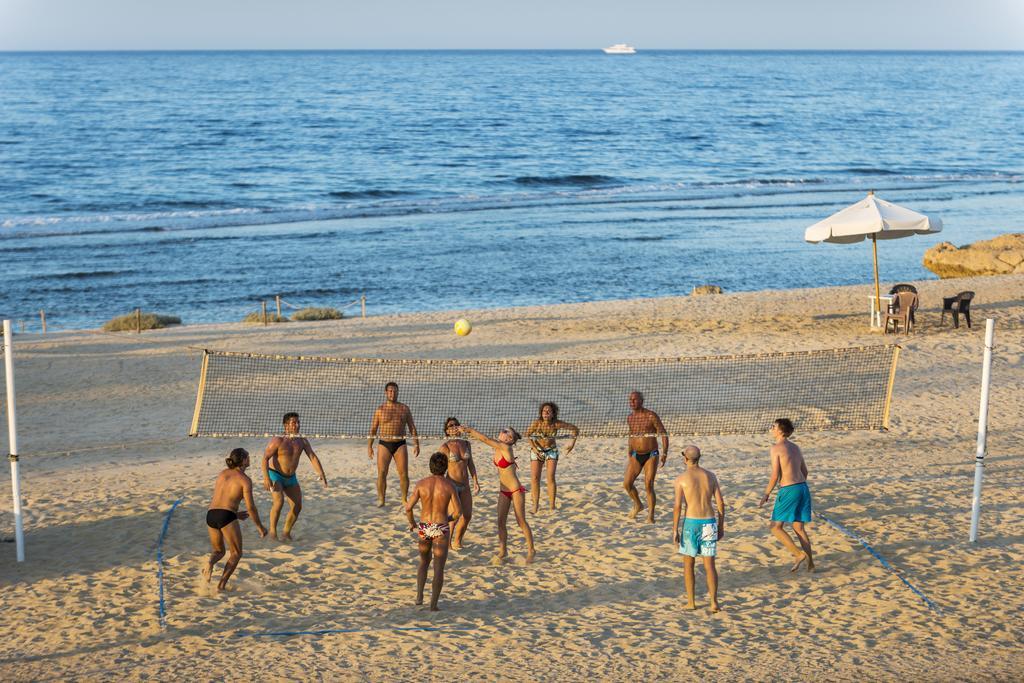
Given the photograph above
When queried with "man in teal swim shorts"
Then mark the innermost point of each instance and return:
(793, 502)
(702, 527)
(280, 461)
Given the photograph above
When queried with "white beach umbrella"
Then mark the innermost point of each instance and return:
(875, 219)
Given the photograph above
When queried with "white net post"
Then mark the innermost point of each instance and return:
(979, 457)
(12, 437)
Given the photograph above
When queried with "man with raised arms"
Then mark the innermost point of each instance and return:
(793, 502)
(644, 425)
(391, 420)
(702, 527)
(434, 494)
(280, 461)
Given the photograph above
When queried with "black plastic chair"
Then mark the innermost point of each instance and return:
(961, 303)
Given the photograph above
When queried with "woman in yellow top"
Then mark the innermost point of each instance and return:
(542, 435)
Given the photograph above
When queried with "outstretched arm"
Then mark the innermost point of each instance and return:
(315, 461)
(776, 473)
(469, 431)
(412, 430)
(572, 429)
(374, 426)
(250, 506)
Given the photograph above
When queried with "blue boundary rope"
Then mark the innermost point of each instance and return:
(860, 539)
(160, 562)
(328, 631)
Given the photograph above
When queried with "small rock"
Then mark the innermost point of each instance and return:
(701, 290)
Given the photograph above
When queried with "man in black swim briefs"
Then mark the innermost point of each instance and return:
(390, 422)
(232, 486)
(644, 429)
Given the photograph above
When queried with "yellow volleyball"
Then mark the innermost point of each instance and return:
(462, 327)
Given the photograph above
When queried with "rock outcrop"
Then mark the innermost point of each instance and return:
(700, 290)
(999, 256)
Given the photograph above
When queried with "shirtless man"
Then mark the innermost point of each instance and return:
(222, 518)
(460, 467)
(280, 460)
(435, 494)
(391, 420)
(702, 528)
(643, 453)
(793, 502)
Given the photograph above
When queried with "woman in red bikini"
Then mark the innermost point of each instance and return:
(511, 493)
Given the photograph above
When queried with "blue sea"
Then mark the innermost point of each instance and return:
(201, 183)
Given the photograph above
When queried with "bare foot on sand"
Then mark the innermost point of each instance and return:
(810, 566)
(636, 511)
(650, 516)
(530, 555)
(692, 606)
(208, 572)
(714, 608)
(801, 558)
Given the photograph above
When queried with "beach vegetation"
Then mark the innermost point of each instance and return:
(256, 317)
(317, 313)
(132, 322)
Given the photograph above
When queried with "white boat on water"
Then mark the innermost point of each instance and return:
(620, 49)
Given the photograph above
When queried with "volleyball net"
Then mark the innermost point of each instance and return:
(246, 394)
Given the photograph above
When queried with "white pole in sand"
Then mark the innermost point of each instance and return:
(979, 458)
(12, 437)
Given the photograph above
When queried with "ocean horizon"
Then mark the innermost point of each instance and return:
(199, 183)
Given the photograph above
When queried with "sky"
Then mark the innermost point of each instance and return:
(511, 24)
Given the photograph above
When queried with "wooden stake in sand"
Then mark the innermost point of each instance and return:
(979, 457)
(278, 300)
(264, 313)
(42, 319)
(138, 321)
(362, 301)
(12, 438)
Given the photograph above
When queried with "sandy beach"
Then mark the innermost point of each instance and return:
(102, 424)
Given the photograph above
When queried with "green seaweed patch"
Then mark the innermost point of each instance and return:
(315, 313)
(149, 321)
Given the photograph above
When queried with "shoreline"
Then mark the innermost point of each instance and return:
(931, 289)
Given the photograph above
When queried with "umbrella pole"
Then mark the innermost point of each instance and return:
(874, 254)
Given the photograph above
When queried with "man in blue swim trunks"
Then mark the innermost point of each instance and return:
(793, 502)
(280, 460)
(644, 429)
(703, 528)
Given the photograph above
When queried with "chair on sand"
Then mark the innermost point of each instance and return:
(903, 312)
(903, 287)
(961, 303)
